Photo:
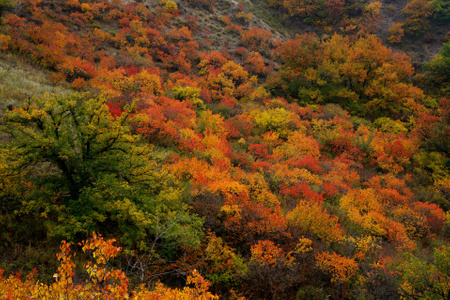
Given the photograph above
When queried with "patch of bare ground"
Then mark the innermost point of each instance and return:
(421, 47)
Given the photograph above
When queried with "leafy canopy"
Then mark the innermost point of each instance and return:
(93, 174)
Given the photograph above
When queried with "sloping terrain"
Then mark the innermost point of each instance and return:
(206, 142)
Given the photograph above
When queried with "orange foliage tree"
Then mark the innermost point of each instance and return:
(341, 268)
(272, 267)
(103, 281)
(357, 74)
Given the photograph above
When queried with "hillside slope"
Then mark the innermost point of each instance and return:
(208, 139)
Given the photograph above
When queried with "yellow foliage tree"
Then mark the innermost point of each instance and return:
(103, 282)
(309, 218)
(364, 208)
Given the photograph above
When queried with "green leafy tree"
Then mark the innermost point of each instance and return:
(79, 138)
(90, 172)
(441, 10)
(420, 279)
(438, 71)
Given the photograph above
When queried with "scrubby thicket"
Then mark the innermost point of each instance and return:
(309, 168)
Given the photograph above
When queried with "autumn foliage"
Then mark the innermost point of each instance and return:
(103, 282)
(309, 167)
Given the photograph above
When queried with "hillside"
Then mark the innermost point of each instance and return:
(258, 150)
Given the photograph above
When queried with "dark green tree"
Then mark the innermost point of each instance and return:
(438, 72)
(90, 173)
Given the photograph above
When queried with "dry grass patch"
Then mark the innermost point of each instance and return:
(20, 81)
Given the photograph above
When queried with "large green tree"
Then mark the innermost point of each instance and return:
(86, 171)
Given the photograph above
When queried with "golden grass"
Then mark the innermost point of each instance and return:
(20, 80)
